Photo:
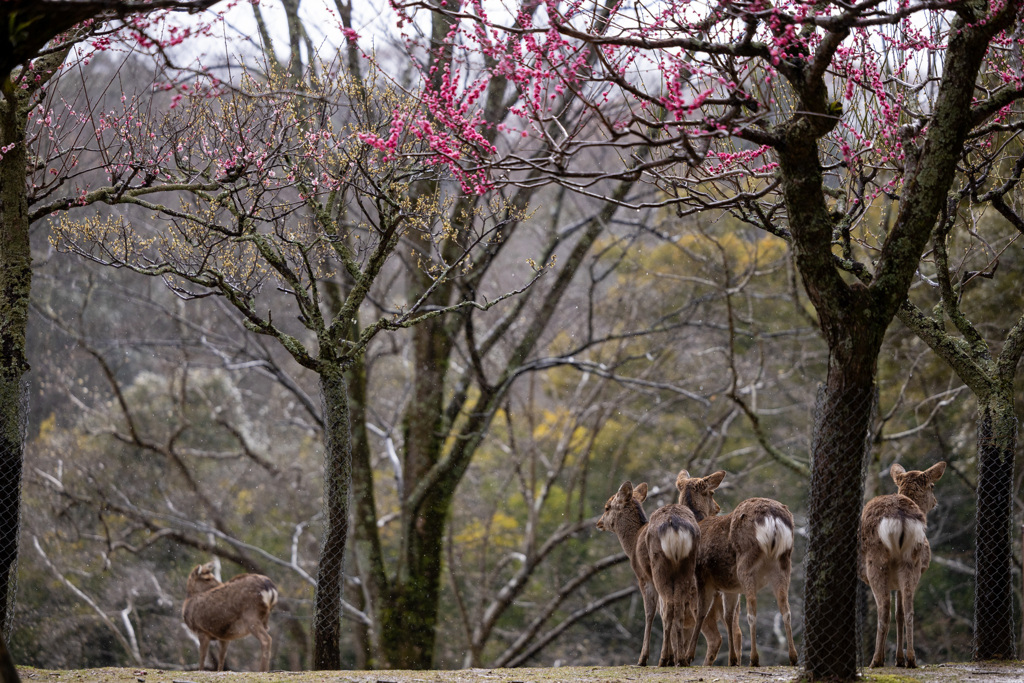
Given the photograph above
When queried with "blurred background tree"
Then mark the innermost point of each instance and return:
(484, 442)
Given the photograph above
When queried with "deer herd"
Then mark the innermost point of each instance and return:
(692, 564)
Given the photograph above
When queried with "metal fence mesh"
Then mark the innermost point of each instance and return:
(11, 462)
(836, 495)
(837, 480)
(994, 633)
(337, 486)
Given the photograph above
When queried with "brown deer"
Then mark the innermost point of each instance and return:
(895, 552)
(228, 611)
(741, 552)
(662, 553)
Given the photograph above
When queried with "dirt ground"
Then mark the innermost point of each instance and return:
(995, 672)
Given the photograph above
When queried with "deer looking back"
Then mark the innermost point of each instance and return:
(662, 553)
(740, 552)
(895, 553)
(228, 611)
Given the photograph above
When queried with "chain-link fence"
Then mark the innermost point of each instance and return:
(11, 460)
(839, 446)
(994, 633)
(337, 485)
(833, 589)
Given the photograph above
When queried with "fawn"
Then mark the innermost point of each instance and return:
(894, 554)
(740, 552)
(662, 553)
(228, 611)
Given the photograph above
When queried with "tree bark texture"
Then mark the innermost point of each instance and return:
(15, 285)
(365, 546)
(337, 482)
(409, 615)
(993, 594)
(841, 424)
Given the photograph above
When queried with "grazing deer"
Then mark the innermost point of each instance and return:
(895, 552)
(662, 553)
(741, 552)
(228, 611)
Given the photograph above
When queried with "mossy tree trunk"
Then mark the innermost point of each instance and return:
(337, 482)
(990, 379)
(15, 285)
(993, 592)
(853, 316)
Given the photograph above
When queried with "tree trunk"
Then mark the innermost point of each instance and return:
(993, 588)
(409, 618)
(8, 674)
(337, 481)
(15, 285)
(365, 541)
(12, 398)
(841, 424)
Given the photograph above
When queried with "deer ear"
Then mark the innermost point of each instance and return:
(714, 480)
(896, 471)
(681, 479)
(934, 473)
(640, 492)
(626, 490)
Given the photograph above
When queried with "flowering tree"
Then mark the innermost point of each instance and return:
(979, 222)
(27, 27)
(286, 174)
(795, 116)
(35, 39)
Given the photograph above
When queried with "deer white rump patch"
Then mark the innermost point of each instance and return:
(269, 596)
(774, 536)
(677, 544)
(899, 536)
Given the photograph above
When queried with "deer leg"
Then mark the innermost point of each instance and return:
(755, 659)
(650, 601)
(781, 586)
(671, 590)
(259, 630)
(705, 595)
(901, 659)
(664, 608)
(879, 582)
(689, 618)
(712, 635)
(732, 627)
(746, 573)
(679, 604)
(204, 644)
(681, 596)
(907, 589)
(222, 654)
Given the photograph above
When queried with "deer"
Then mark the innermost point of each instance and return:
(894, 553)
(740, 553)
(662, 552)
(228, 611)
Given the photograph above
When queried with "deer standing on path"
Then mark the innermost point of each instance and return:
(228, 611)
(741, 552)
(662, 553)
(895, 553)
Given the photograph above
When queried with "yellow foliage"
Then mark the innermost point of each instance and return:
(48, 428)
(499, 532)
(244, 502)
(553, 425)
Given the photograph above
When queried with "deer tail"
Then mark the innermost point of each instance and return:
(900, 535)
(268, 591)
(774, 535)
(678, 538)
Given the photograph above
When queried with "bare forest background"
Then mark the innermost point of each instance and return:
(539, 347)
